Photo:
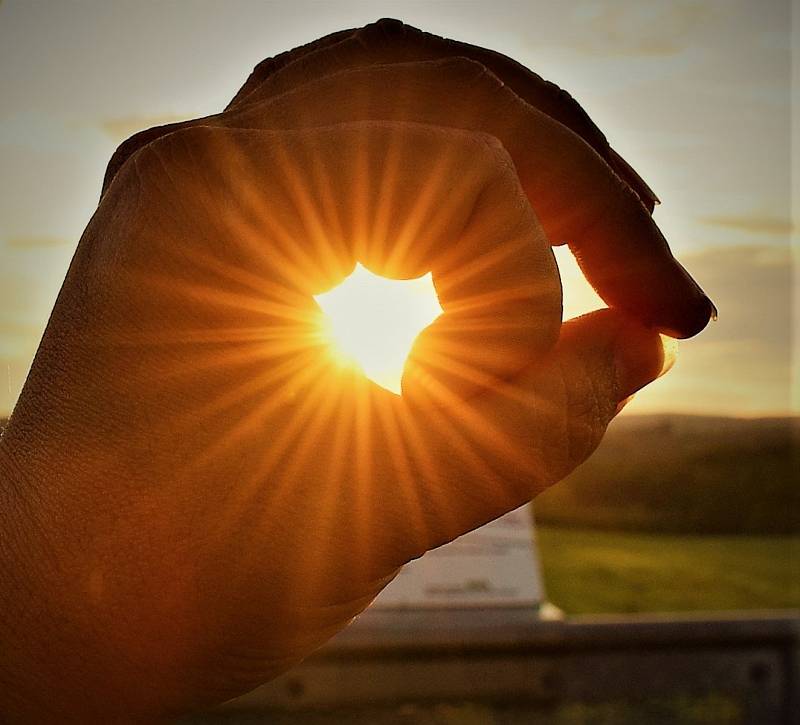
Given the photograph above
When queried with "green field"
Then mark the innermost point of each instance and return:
(593, 571)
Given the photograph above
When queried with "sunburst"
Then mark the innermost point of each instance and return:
(371, 322)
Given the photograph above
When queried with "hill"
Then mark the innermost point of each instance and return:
(685, 474)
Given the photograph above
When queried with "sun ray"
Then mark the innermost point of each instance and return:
(430, 487)
(426, 222)
(248, 423)
(449, 440)
(407, 471)
(264, 485)
(384, 214)
(322, 256)
(307, 424)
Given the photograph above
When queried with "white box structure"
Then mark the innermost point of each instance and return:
(495, 565)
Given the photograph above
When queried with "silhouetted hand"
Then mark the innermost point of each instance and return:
(195, 495)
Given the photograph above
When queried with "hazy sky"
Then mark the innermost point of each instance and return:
(696, 95)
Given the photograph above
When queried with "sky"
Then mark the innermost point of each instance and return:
(695, 95)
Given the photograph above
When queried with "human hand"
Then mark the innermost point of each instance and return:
(198, 497)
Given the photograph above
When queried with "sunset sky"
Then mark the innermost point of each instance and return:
(695, 95)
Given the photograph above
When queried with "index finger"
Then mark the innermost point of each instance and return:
(576, 194)
(391, 41)
(620, 250)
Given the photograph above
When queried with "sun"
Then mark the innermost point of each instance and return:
(371, 322)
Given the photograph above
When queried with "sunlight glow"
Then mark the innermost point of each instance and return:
(371, 322)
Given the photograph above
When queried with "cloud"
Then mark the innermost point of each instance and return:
(752, 285)
(632, 28)
(741, 364)
(751, 224)
(50, 178)
(121, 128)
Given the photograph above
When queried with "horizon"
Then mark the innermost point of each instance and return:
(633, 415)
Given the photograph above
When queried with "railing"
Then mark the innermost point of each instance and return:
(747, 666)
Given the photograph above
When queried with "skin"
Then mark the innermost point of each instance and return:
(193, 495)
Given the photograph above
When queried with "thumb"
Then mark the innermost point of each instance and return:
(603, 358)
(533, 430)
(497, 450)
(608, 344)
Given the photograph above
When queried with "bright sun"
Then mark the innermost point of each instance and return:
(371, 322)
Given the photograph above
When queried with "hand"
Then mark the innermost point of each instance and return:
(195, 496)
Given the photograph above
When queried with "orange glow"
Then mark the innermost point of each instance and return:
(371, 322)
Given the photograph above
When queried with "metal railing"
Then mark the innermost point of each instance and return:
(505, 658)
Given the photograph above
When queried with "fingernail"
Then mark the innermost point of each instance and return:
(691, 321)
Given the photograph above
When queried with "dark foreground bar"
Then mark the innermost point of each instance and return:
(400, 666)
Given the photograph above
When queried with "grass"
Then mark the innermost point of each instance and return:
(684, 475)
(593, 571)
